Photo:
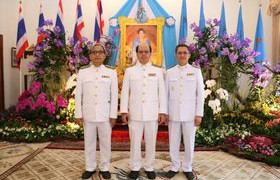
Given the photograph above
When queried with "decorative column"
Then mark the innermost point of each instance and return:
(274, 11)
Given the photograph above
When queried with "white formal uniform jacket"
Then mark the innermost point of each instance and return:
(96, 98)
(185, 91)
(143, 92)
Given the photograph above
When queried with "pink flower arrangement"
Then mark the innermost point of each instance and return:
(61, 102)
(24, 95)
(257, 144)
(33, 98)
(261, 140)
(261, 145)
(35, 87)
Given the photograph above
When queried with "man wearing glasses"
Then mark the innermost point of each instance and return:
(143, 107)
(96, 102)
(185, 89)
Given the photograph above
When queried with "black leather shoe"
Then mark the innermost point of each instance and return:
(105, 174)
(170, 174)
(133, 174)
(189, 175)
(151, 174)
(87, 174)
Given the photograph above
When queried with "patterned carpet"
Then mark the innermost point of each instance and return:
(12, 155)
(58, 164)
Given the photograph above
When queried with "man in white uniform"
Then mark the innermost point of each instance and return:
(143, 106)
(96, 104)
(184, 84)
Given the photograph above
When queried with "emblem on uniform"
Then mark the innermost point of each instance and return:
(83, 67)
(105, 76)
(152, 74)
(190, 74)
(155, 65)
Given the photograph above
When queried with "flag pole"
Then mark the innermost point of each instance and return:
(20, 73)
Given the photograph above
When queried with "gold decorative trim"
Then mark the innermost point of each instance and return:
(274, 7)
(124, 21)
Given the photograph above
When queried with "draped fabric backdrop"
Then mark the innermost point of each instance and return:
(274, 10)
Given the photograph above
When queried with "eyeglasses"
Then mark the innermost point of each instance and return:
(183, 53)
(143, 52)
(97, 52)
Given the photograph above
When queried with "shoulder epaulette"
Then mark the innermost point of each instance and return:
(156, 66)
(110, 67)
(84, 67)
(195, 66)
(132, 65)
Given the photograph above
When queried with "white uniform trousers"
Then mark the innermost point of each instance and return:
(176, 128)
(104, 131)
(136, 129)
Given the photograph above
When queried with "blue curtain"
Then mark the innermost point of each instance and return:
(168, 36)
(124, 11)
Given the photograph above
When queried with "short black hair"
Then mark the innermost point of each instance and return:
(181, 45)
(140, 29)
(150, 47)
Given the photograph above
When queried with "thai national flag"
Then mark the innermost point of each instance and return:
(41, 35)
(22, 42)
(79, 25)
(99, 22)
(59, 19)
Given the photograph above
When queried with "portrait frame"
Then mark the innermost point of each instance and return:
(154, 26)
(13, 57)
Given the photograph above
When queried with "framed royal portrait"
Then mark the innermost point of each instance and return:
(13, 57)
(134, 33)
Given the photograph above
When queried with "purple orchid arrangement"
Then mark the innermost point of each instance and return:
(49, 54)
(261, 75)
(236, 51)
(207, 44)
(79, 54)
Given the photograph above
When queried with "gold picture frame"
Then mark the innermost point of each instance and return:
(129, 29)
